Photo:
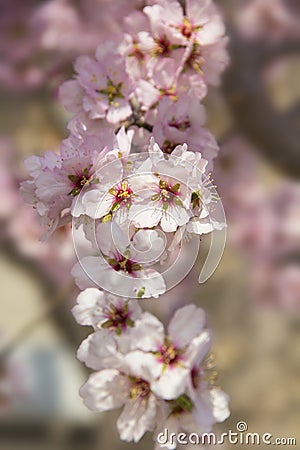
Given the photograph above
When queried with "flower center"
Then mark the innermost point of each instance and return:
(118, 319)
(137, 52)
(169, 354)
(139, 388)
(195, 60)
(168, 193)
(162, 46)
(122, 194)
(187, 28)
(169, 92)
(113, 91)
(124, 264)
(168, 147)
(79, 181)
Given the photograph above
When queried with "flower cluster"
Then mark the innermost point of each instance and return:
(155, 77)
(133, 178)
(134, 210)
(160, 377)
(57, 179)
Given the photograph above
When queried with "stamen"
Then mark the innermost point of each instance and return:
(118, 318)
(122, 194)
(79, 181)
(169, 354)
(112, 91)
(139, 388)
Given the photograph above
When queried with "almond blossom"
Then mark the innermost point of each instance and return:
(181, 122)
(166, 192)
(166, 373)
(168, 81)
(57, 179)
(113, 319)
(112, 389)
(200, 20)
(162, 83)
(103, 310)
(107, 201)
(135, 204)
(164, 197)
(123, 266)
(170, 356)
(200, 28)
(102, 85)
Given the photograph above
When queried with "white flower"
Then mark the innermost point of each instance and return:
(106, 311)
(163, 194)
(107, 201)
(112, 389)
(92, 201)
(123, 265)
(170, 357)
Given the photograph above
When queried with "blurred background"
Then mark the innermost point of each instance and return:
(252, 301)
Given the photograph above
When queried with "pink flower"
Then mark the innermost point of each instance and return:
(155, 41)
(200, 29)
(171, 356)
(163, 83)
(167, 81)
(105, 311)
(182, 122)
(103, 87)
(199, 21)
(206, 62)
(109, 202)
(161, 379)
(164, 185)
(136, 32)
(57, 179)
(113, 196)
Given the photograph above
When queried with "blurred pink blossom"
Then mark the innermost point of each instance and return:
(271, 20)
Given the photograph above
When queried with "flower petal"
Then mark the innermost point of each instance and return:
(86, 309)
(105, 390)
(187, 323)
(138, 416)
